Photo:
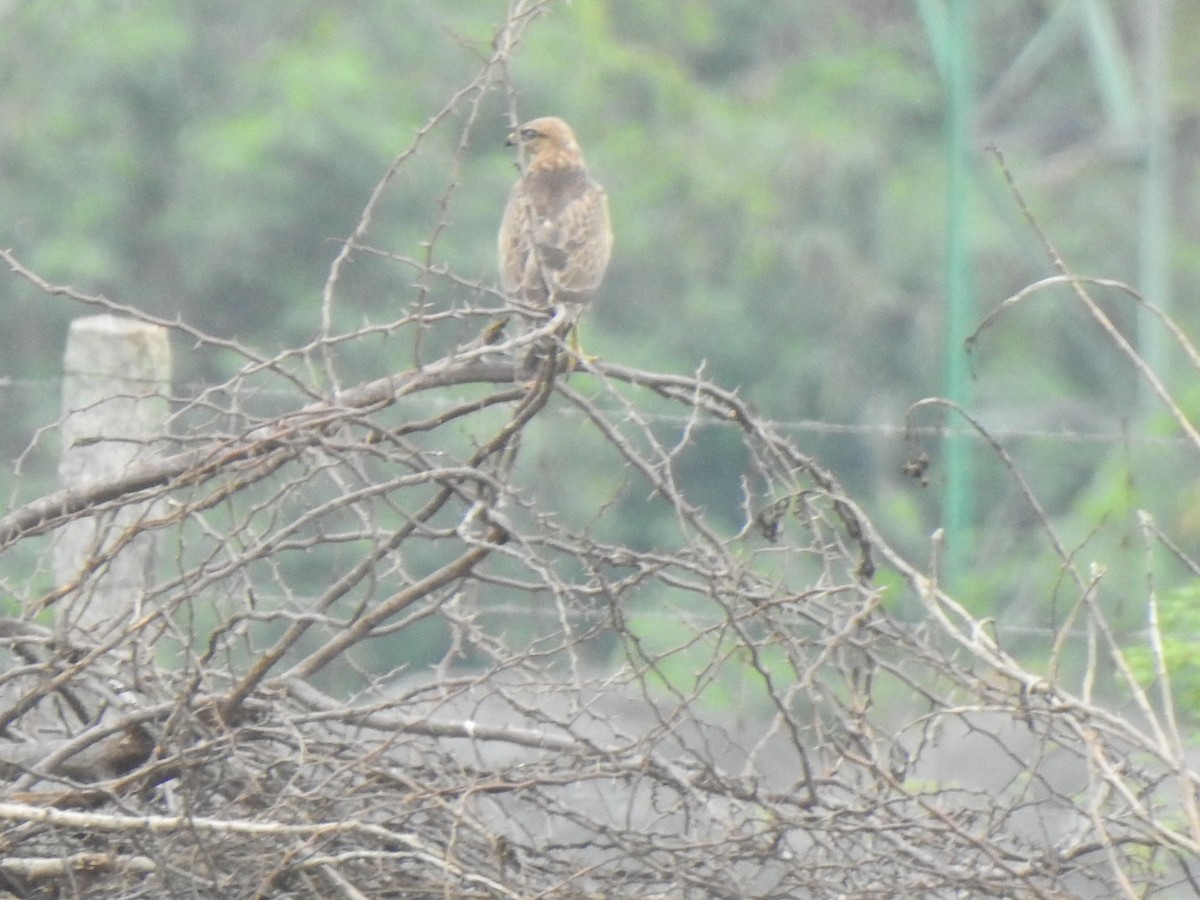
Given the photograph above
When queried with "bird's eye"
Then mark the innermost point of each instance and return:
(528, 134)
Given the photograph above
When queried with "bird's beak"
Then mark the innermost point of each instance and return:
(511, 140)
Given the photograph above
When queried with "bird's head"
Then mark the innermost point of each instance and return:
(548, 141)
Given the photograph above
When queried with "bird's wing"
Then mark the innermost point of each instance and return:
(554, 237)
(514, 241)
(576, 243)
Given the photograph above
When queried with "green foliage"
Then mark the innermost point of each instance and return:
(776, 173)
(1179, 630)
(698, 658)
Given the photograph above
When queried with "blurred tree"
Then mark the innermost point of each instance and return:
(775, 171)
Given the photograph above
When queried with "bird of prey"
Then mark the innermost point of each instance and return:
(555, 237)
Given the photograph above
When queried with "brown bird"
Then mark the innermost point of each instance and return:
(555, 237)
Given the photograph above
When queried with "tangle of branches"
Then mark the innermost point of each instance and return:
(388, 648)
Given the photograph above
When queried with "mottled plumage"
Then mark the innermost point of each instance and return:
(555, 237)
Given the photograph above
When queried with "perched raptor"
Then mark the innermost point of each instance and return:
(555, 237)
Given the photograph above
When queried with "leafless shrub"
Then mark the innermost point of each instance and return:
(387, 651)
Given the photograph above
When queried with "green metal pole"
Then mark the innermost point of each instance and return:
(1154, 261)
(956, 504)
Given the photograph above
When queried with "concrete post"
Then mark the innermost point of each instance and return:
(116, 376)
